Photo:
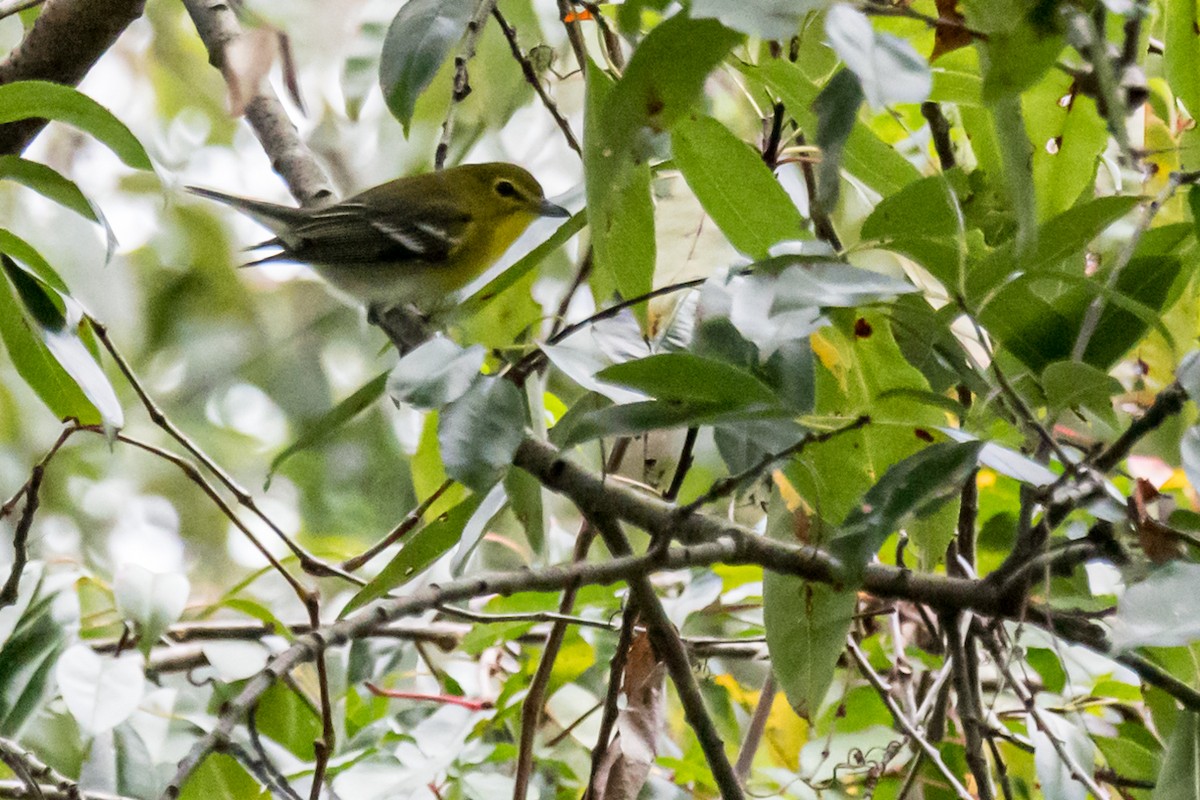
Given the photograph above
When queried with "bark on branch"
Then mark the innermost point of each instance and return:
(68, 37)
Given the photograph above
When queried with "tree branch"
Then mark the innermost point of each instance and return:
(68, 37)
(290, 157)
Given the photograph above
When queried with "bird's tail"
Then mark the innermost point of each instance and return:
(276, 218)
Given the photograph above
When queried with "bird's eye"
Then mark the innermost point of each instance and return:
(506, 189)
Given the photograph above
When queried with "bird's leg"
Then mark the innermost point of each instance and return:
(404, 325)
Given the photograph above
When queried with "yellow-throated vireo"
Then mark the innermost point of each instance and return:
(411, 241)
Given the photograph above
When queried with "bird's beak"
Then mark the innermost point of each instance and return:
(548, 209)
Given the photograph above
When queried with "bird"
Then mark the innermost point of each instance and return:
(411, 242)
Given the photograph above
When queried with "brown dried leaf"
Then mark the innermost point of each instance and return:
(1158, 541)
(248, 60)
(951, 32)
(626, 764)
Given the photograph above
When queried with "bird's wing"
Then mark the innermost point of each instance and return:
(351, 232)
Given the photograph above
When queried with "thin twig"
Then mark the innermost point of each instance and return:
(880, 9)
(1092, 317)
(410, 521)
(757, 727)
(582, 273)
(531, 77)
(308, 563)
(610, 40)
(822, 224)
(1167, 404)
(612, 697)
(24, 765)
(462, 80)
(192, 473)
(669, 648)
(441, 699)
(276, 779)
(939, 132)
(960, 647)
(914, 733)
(533, 360)
(535, 696)
(12, 586)
(574, 34)
(1026, 697)
(730, 484)
(10, 7)
(323, 747)
(686, 458)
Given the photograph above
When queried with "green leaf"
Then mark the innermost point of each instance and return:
(50, 184)
(836, 108)
(331, 421)
(690, 378)
(1058, 239)
(860, 369)
(477, 526)
(31, 638)
(735, 187)
(956, 86)
(525, 499)
(1012, 61)
(1188, 374)
(100, 691)
(806, 624)
(419, 39)
(917, 485)
(929, 206)
(285, 716)
(1181, 52)
(53, 361)
(620, 212)
(436, 373)
(648, 95)
(769, 19)
(1006, 461)
(221, 777)
(25, 253)
(1039, 332)
(26, 99)
(1179, 778)
(631, 419)
(1161, 611)
(888, 68)
(1068, 143)
(1071, 384)
(479, 432)
(1057, 778)
(419, 549)
(865, 156)
(153, 600)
